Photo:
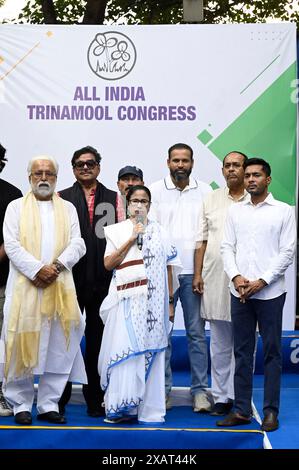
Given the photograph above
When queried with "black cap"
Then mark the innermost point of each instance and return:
(130, 170)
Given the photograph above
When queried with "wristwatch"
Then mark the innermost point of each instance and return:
(59, 266)
(171, 299)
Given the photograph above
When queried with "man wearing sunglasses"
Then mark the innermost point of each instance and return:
(96, 206)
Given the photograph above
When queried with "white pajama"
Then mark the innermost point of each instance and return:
(20, 393)
(222, 361)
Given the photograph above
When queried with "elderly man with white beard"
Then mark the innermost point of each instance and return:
(43, 325)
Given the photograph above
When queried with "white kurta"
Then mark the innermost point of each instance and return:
(54, 356)
(215, 303)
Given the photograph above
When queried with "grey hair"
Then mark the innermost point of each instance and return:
(42, 157)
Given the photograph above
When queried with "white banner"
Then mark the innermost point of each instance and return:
(133, 91)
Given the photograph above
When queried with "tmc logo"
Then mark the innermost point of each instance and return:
(111, 55)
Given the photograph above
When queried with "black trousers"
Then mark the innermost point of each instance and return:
(267, 314)
(92, 392)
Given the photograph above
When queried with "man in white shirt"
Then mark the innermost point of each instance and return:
(211, 281)
(177, 205)
(258, 246)
(43, 326)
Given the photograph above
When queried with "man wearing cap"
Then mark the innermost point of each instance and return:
(127, 177)
(97, 207)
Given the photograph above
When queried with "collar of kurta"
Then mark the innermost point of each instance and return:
(170, 185)
(245, 196)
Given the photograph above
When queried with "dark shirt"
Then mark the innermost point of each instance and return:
(8, 193)
(90, 276)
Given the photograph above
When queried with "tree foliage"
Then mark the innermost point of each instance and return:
(153, 11)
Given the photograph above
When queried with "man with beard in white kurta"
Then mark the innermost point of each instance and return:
(43, 325)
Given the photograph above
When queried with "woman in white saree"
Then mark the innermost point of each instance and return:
(136, 314)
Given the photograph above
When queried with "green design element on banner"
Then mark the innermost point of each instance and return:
(267, 129)
(205, 137)
(258, 76)
(214, 185)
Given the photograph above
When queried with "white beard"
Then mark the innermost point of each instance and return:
(43, 189)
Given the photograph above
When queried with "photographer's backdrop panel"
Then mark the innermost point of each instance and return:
(133, 91)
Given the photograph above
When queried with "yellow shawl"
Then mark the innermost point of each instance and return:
(29, 305)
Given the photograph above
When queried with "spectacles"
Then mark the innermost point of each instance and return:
(135, 202)
(40, 174)
(91, 164)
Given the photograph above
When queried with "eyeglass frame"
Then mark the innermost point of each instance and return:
(40, 174)
(143, 202)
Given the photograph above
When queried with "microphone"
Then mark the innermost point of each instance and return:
(139, 219)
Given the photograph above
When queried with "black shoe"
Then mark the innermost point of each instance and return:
(23, 417)
(52, 417)
(221, 409)
(270, 422)
(234, 419)
(96, 412)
